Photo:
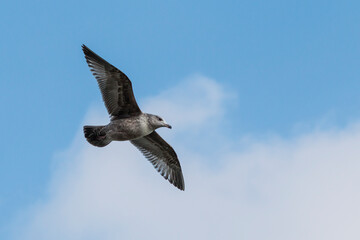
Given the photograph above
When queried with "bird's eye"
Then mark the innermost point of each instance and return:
(160, 119)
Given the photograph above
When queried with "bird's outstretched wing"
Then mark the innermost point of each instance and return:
(162, 156)
(115, 86)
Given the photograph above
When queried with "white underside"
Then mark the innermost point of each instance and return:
(145, 128)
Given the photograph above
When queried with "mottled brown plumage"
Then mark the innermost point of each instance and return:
(162, 156)
(127, 122)
(115, 86)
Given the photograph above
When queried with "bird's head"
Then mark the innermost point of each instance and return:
(157, 121)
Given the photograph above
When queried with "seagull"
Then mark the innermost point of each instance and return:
(127, 122)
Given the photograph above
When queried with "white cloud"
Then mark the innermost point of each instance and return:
(304, 188)
(183, 111)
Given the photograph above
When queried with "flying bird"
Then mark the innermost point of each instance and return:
(128, 122)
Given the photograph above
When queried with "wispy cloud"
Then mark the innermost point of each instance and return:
(303, 188)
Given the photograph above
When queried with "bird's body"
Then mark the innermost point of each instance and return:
(123, 129)
(127, 122)
(130, 128)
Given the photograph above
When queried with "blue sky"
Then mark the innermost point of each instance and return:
(289, 66)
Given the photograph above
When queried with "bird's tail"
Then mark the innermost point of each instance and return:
(96, 136)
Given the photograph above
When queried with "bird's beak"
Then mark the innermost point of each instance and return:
(168, 126)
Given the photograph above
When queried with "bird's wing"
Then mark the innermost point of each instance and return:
(162, 156)
(115, 86)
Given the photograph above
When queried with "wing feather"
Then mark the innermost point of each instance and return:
(115, 86)
(162, 156)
